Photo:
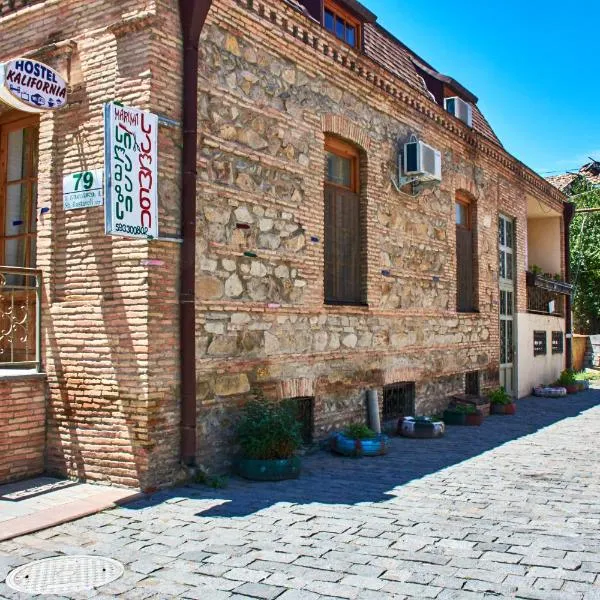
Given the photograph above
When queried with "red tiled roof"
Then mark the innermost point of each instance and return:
(591, 171)
(383, 48)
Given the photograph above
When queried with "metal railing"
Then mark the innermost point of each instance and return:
(20, 318)
(9, 6)
(539, 299)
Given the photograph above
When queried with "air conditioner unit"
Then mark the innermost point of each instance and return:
(422, 160)
(460, 109)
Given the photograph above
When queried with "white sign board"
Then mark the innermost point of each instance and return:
(131, 173)
(83, 189)
(31, 86)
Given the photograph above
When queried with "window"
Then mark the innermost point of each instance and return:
(466, 279)
(18, 191)
(398, 401)
(343, 225)
(341, 24)
(557, 342)
(539, 343)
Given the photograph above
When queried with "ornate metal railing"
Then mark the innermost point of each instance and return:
(20, 317)
(9, 6)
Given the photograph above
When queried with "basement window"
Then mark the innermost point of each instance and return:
(343, 25)
(305, 415)
(472, 387)
(398, 401)
(539, 343)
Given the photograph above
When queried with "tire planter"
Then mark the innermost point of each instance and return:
(504, 409)
(550, 392)
(346, 446)
(269, 470)
(421, 428)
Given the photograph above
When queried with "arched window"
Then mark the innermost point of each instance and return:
(343, 224)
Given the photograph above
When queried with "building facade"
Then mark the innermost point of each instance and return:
(320, 273)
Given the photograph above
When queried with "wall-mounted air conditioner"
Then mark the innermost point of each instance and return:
(422, 160)
(460, 109)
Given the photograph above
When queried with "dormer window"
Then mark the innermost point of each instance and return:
(342, 24)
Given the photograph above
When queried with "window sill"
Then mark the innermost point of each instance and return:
(468, 311)
(344, 303)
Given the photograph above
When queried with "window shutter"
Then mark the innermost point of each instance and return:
(342, 246)
(464, 269)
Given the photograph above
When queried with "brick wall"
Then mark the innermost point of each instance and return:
(22, 427)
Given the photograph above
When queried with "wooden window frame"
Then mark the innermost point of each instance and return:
(344, 150)
(463, 201)
(13, 122)
(348, 19)
(460, 198)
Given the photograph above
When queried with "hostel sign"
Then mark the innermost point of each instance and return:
(31, 86)
(131, 174)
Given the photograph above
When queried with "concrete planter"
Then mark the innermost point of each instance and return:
(269, 470)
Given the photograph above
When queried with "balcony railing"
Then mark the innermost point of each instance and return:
(20, 317)
(539, 301)
(9, 6)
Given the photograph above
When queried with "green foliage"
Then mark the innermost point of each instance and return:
(358, 431)
(499, 396)
(589, 375)
(535, 269)
(585, 258)
(269, 430)
(465, 409)
(567, 377)
(214, 481)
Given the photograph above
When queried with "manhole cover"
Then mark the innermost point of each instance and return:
(64, 574)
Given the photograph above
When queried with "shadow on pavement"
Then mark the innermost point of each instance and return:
(331, 479)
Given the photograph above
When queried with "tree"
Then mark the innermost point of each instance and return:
(585, 257)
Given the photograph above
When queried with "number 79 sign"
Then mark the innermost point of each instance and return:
(83, 189)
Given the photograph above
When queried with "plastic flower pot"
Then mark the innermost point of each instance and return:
(269, 470)
(504, 409)
(474, 419)
(454, 418)
(572, 389)
(377, 446)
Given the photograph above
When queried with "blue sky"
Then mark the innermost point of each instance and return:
(535, 67)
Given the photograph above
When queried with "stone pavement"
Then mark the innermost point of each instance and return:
(41, 502)
(507, 510)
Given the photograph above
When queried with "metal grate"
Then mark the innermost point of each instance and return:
(557, 342)
(398, 401)
(305, 415)
(472, 383)
(539, 343)
(64, 574)
(539, 301)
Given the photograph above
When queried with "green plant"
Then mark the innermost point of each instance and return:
(535, 269)
(358, 431)
(589, 375)
(465, 409)
(269, 430)
(499, 396)
(567, 377)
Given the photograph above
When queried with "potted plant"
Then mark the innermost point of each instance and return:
(463, 414)
(568, 381)
(358, 440)
(269, 436)
(502, 403)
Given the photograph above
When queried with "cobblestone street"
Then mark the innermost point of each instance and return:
(510, 509)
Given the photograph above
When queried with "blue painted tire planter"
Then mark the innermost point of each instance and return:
(421, 428)
(269, 470)
(549, 392)
(346, 446)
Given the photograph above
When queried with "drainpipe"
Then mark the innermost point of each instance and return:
(568, 214)
(193, 15)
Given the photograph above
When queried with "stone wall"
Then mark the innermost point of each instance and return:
(22, 427)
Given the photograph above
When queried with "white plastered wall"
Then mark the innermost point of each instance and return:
(543, 244)
(535, 370)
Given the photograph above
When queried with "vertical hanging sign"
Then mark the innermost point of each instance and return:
(131, 174)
